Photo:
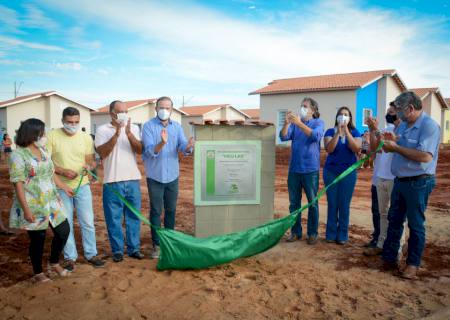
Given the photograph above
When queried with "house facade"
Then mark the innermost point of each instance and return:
(366, 94)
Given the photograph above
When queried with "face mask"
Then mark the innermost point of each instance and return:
(303, 113)
(163, 114)
(71, 129)
(391, 118)
(122, 117)
(342, 119)
(41, 142)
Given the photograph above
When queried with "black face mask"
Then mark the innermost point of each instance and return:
(391, 118)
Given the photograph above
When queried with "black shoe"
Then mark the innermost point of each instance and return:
(137, 255)
(96, 262)
(117, 257)
(339, 242)
(69, 265)
(371, 244)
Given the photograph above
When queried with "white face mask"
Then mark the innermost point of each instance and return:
(70, 128)
(303, 113)
(163, 114)
(343, 119)
(122, 117)
(41, 142)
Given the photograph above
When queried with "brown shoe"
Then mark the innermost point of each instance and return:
(410, 273)
(370, 252)
(293, 238)
(312, 240)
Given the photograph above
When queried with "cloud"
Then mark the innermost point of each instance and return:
(9, 20)
(73, 66)
(36, 18)
(8, 43)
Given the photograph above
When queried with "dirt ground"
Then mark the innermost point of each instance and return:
(290, 281)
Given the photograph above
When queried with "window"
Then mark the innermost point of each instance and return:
(447, 125)
(281, 117)
(367, 113)
(95, 128)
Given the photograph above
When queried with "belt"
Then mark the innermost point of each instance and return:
(415, 178)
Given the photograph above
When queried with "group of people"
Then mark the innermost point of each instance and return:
(404, 175)
(50, 173)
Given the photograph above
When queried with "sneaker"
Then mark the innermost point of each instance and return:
(370, 252)
(293, 238)
(137, 255)
(96, 262)
(312, 240)
(117, 257)
(155, 252)
(341, 243)
(69, 265)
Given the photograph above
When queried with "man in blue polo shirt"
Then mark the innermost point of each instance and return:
(162, 139)
(415, 145)
(305, 131)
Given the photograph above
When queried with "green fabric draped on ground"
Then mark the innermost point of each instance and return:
(182, 251)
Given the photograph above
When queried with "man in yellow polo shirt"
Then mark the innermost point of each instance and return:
(71, 152)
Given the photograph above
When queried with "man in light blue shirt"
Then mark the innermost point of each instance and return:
(162, 139)
(305, 131)
(415, 146)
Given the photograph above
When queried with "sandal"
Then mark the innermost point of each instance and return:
(40, 277)
(60, 271)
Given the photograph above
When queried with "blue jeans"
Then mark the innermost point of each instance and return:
(339, 197)
(82, 202)
(309, 182)
(375, 215)
(162, 195)
(409, 200)
(115, 210)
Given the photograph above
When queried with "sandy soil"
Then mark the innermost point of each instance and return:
(291, 281)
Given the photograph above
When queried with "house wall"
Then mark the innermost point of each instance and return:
(446, 127)
(98, 119)
(188, 128)
(55, 109)
(388, 90)
(234, 115)
(19, 112)
(436, 109)
(329, 102)
(366, 99)
(3, 120)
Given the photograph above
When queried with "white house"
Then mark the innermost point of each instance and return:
(139, 111)
(364, 93)
(46, 106)
(215, 112)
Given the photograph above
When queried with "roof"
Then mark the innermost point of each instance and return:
(130, 105)
(330, 82)
(424, 92)
(205, 109)
(7, 103)
(252, 113)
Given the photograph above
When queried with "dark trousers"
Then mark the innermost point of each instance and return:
(375, 216)
(409, 200)
(37, 241)
(162, 195)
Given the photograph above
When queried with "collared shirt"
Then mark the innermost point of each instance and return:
(120, 164)
(424, 135)
(163, 166)
(342, 157)
(305, 155)
(383, 162)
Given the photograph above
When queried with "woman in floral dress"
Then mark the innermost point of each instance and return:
(36, 205)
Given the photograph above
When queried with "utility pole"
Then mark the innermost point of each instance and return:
(17, 88)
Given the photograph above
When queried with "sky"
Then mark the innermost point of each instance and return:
(213, 52)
